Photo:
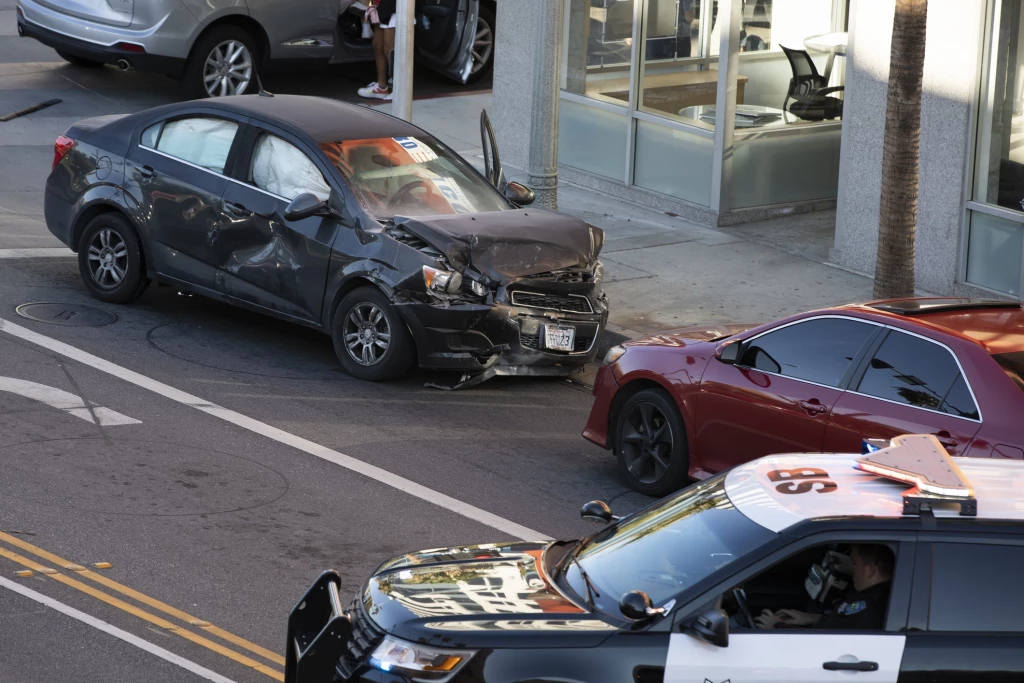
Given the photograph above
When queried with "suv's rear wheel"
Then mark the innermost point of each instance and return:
(223, 62)
(370, 338)
(650, 443)
(78, 61)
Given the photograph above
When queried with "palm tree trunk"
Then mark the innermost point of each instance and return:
(897, 221)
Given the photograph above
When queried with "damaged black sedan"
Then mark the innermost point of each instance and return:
(336, 217)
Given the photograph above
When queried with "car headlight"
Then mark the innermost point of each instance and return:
(614, 354)
(479, 288)
(598, 273)
(444, 281)
(416, 661)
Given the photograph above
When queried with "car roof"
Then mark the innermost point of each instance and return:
(998, 326)
(322, 119)
(774, 501)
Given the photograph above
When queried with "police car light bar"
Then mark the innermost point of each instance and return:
(920, 460)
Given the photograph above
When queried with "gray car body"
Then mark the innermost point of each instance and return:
(289, 32)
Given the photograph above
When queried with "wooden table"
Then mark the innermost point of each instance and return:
(670, 92)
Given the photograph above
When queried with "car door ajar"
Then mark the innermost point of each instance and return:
(777, 397)
(910, 385)
(445, 35)
(176, 175)
(263, 258)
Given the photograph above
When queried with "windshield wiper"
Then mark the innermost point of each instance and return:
(573, 556)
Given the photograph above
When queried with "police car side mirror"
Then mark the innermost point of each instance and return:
(729, 352)
(598, 511)
(712, 627)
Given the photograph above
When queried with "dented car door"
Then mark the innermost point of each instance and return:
(264, 259)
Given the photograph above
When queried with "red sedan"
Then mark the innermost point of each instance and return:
(694, 402)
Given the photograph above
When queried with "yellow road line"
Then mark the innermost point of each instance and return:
(144, 599)
(142, 614)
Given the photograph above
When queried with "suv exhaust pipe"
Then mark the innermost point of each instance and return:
(124, 64)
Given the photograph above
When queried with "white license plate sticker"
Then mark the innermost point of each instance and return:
(557, 338)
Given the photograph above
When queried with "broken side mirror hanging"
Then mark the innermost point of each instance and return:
(637, 606)
(598, 511)
(519, 194)
(306, 205)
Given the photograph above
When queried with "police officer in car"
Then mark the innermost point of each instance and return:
(863, 608)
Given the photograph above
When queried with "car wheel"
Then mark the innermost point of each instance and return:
(110, 260)
(370, 338)
(483, 45)
(223, 62)
(78, 61)
(650, 443)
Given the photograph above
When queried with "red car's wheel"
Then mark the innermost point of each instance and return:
(650, 443)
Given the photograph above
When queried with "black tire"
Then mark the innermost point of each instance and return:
(356, 315)
(125, 278)
(657, 463)
(195, 70)
(486, 19)
(79, 61)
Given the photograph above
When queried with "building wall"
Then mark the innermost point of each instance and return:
(953, 62)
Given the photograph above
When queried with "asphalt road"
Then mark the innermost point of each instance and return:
(217, 460)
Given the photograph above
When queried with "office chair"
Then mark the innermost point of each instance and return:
(809, 90)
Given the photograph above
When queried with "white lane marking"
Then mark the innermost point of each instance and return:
(63, 400)
(112, 630)
(376, 473)
(41, 252)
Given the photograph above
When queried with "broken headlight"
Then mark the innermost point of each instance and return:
(417, 662)
(442, 281)
(479, 288)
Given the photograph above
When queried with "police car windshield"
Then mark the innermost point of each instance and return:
(411, 177)
(668, 547)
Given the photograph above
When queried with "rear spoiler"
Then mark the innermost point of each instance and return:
(318, 633)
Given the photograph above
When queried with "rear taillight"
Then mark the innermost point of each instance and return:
(130, 47)
(61, 148)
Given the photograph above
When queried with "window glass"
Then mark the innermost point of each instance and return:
(914, 371)
(1013, 365)
(959, 401)
(598, 49)
(283, 169)
(202, 141)
(817, 351)
(679, 74)
(150, 136)
(411, 177)
(977, 587)
(668, 547)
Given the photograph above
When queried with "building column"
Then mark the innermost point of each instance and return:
(527, 69)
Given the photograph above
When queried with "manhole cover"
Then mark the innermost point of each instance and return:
(66, 314)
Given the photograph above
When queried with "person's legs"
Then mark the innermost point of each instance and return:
(384, 57)
(379, 89)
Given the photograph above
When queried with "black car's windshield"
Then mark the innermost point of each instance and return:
(1013, 365)
(668, 547)
(411, 177)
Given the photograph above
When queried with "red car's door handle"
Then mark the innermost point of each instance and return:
(813, 407)
(947, 440)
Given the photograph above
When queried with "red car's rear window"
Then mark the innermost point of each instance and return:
(1013, 365)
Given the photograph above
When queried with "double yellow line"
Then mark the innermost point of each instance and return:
(159, 622)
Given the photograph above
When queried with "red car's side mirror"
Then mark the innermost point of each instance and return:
(729, 352)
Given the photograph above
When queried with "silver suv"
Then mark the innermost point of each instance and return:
(216, 46)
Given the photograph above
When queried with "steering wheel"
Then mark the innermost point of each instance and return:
(741, 600)
(405, 192)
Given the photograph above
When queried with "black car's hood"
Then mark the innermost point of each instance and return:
(478, 596)
(504, 245)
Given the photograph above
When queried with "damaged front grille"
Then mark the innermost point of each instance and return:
(532, 341)
(568, 303)
(366, 636)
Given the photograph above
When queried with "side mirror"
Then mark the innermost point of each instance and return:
(519, 194)
(712, 627)
(729, 352)
(636, 605)
(598, 511)
(306, 205)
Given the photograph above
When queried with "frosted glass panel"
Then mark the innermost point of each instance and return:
(994, 253)
(785, 169)
(673, 162)
(592, 139)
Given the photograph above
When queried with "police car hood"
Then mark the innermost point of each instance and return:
(478, 596)
(505, 245)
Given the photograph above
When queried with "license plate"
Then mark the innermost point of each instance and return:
(557, 338)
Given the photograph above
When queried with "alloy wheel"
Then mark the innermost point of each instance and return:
(228, 69)
(367, 333)
(108, 258)
(483, 45)
(647, 443)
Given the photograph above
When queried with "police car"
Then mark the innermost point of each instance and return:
(701, 586)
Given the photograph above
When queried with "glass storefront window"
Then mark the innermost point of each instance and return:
(598, 49)
(678, 78)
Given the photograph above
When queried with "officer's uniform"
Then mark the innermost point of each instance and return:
(862, 610)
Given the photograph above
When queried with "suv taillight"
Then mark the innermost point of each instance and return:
(61, 148)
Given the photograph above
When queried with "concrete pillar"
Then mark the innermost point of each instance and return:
(527, 68)
(401, 103)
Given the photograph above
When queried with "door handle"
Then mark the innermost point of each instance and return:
(147, 172)
(947, 440)
(237, 210)
(850, 666)
(813, 406)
